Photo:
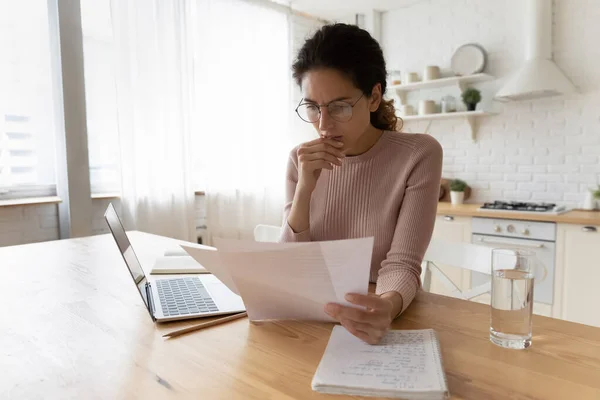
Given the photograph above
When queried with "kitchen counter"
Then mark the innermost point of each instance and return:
(472, 210)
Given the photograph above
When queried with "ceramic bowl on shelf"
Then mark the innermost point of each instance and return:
(468, 59)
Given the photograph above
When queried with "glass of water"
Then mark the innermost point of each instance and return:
(512, 297)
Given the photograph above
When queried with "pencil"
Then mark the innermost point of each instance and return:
(205, 325)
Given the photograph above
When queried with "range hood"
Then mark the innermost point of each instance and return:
(539, 77)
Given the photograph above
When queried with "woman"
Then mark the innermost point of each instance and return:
(360, 178)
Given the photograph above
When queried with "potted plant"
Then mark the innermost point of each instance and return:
(457, 191)
(471, 97)
(596, 194)
(592, 198)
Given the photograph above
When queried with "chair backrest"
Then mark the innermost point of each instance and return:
(461, 255)
(267, 233)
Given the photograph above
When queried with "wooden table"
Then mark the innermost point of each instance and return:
(73, 327)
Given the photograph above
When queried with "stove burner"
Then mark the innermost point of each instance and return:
(519, 206)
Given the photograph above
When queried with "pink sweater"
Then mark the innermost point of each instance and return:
(389, 192)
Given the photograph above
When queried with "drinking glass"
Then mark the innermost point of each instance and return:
(512, 297)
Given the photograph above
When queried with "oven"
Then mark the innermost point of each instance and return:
(538, 237)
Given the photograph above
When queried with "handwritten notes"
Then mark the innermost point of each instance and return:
(403, 362)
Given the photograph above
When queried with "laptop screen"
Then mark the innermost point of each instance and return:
(131, 260)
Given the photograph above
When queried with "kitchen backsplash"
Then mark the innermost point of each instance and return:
(539, 150)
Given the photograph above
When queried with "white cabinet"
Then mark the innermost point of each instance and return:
(578, 273)
(452, 229)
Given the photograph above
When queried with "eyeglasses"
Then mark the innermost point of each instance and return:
(338, 110)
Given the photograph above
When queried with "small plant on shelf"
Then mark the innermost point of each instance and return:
(471, 97)
(457, 191)
(596, 193)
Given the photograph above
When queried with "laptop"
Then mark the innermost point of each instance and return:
(175, 297)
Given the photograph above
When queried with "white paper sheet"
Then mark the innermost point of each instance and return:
(210, 260)
(290, 280)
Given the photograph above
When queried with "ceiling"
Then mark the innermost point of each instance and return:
(332, 9)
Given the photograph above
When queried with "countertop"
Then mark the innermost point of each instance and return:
(472, 210)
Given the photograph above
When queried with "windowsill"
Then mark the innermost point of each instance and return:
(56, 199)
(117, 195)
(30, 201)
(113, 195)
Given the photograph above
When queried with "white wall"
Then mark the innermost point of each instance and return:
(542, 150)
(38, 223)
(26, 224)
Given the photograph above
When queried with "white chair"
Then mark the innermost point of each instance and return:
(267, 233)
(461, 255)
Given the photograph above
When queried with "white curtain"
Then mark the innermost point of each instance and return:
(244, 97)
(156, 113)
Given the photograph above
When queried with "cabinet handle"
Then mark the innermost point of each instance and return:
(449, 218)
(589, 229)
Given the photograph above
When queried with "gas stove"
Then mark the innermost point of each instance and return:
(524, 207)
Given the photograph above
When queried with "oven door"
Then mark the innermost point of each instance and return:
(544, 252)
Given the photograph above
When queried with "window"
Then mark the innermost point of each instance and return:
(100, 97)
(27, 130)
(243, 95)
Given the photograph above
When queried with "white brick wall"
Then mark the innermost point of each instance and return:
(548, 148)
(28, 224)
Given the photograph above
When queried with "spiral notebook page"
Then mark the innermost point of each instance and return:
(404, 364)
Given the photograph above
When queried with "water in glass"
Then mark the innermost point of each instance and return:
(512, 300)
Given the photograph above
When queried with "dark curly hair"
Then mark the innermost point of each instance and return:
(352, 51)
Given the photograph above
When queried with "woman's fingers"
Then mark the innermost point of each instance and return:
(356, 326)
(334, 143)
(321, 155)
(370, 301)
(365, 332)
(321, 147)
(318, 164)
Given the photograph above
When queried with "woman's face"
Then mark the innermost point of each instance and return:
(324, 86)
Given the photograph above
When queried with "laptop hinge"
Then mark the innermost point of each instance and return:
(151, 308)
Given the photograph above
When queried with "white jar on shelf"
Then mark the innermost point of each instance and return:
(431, 72)
(411, 77)
(448, 104)
(426, 107)
(406, 110)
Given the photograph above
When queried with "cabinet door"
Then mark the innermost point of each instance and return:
(578, 261)
(451, 229)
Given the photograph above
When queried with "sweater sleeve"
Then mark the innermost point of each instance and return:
(401, 269)
(287, 233)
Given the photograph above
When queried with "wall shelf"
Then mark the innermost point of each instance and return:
(470, 116)
(461, 81)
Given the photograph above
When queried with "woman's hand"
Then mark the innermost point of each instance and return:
(315, 155)
(369, 325)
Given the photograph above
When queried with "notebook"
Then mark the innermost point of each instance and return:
(406, 364)
(177, 261)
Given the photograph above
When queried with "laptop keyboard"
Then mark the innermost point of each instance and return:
(182, 296)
